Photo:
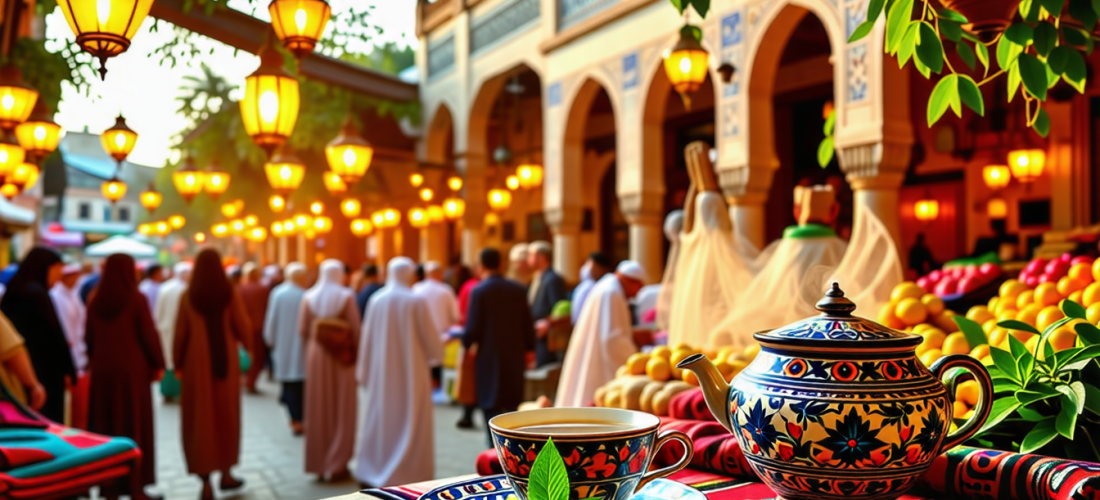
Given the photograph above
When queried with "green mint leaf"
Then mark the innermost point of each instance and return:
(908, 43)
(1005, 362)
(951, 30)
(830, 124)
(861, 31)
(972, 98)
(1007, 52)
(548, 480)
(899, 16)
(1046, 38)
(1081, 10)
(945, 91)
(825, 152)
(1002, 409)
(1088, 333)
(702, 7)
(1072, 309)
(1054, 7)
(1092, 398)
(929, 49)
(1017, 325)
(1040, 435)
(680, 5)
(1020, 34)
(966, 53)
(983, 57)
(1034, 73)
(970, 328)
(952, 15)
(1067, 416)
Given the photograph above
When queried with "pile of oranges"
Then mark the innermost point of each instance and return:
(660, 363)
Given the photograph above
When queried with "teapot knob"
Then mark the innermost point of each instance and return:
(835, 303)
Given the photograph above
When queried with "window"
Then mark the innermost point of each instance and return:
(84, 211)
(107, 213)
(124, 214)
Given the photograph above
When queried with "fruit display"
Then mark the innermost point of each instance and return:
(648, 381)
(959, 280)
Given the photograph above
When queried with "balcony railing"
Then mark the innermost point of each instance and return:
(441, 55)
(503, 21)
(572, 12)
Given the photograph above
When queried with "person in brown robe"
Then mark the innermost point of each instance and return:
(125, 354)
(331, 393)
(212, 320)
(255, 295)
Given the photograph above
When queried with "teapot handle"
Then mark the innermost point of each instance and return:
(985, 395)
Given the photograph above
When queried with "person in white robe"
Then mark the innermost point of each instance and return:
(395, 443)
(674, 225)
(71, 313)
(439, 296)
(164, 314)
(281, 334)
(603, 338)
(150, 286)
(518, 268)
(597, 265)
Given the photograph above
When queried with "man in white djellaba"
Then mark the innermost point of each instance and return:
(399, 344)
(603, 337)
(440, 298)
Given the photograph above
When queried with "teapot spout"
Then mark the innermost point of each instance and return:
(715, 388)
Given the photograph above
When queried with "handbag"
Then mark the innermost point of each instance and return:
(336, 337)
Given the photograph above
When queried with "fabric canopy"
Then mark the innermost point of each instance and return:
(120, 244)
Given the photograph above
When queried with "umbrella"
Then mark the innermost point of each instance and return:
(120, 244)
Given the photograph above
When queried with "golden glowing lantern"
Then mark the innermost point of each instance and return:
(17, 98)
(927, 210)
(119, 140)
(322, 224)
(454, 182)
(316, 208)
(454, 208)
(299, 24)
(386, 218)
(361, 227)
(349, 155)
(232, 209)
(499, 199)
(302, 220)
(39, 135)
(416, 180)
(200, 238)
(219, 230)
(334, 184)
(351, 207)
(285, 172)
(996, 176)
(162, 228)
(426, 194)
(277, 229)
(9, 191)
(686, 64)
(491, 219)
(418, 218)
(215, 181)
(270, 105)
(1027, 164)
(512, 182)
(257, 234)
(104, 28)
(530, 176)
(113, 189)
(379, 219)
(288, 227)
(177, 221)
(11, 155)
(251, 220)
(24, 176)
(996, 209)
(151, 198)
(237, 225)
(435, 214)
(277, 203)
(145, 229)
(188, 180)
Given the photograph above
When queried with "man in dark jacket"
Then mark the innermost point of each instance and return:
(499, 324)
(547, 288)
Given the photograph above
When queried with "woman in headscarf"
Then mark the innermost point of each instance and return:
(125, 354)
(212, 321)
(330, 393)
(28, 305)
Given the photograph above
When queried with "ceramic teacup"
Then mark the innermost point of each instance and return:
(607, 451)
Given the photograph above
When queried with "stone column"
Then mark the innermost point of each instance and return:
(472, 168)
(875, 172)
(433, 244)
(643, 213)
(384, 239)
(746, 190)
(283, 251)
(566, 226)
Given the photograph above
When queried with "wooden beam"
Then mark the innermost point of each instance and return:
(244, 32)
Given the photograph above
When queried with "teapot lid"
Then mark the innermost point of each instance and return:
(836, 327)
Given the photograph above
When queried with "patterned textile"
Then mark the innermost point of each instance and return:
(689, 405)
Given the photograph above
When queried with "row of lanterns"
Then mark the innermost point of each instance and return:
(1025, 165)
(162, 227)
(28, 133)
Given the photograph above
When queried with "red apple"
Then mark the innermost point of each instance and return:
(925, 283)
(969, 284)
(1080, 259)
(1066, 257)
(1056, 269)
(1048, 278)
(989, 270)
(935, 276)
(1035, 266)
(946, 286)
(1031, 281)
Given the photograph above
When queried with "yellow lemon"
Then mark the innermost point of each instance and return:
(1067, 285)
(1046, 294)
(689, 377)
(1048, 316)
(959, 409)
(887, 318)
(636, 363)
(933, 339)
(658, 368)
(1029, 314)
(919, 329)
(737, 367)
(930, 356)
(1096, 270)
(906, 290)
(1076, 296)
(956, 344)
(911, 311)
(933, 303)
(987, 361)
(1065, 337)
(980, 351)
(946, 321)
(989, 325)
(1007, 315)
(979, 314)
(968, 392)
(661, 351)
(1026, 298)
(997, 338)
(1091, 295)
(724, 368)
(1011, 289)
(724, 353)
(993, 302)
(678, 356)
(1021, 335)
(1093, 312)
(1032, 343)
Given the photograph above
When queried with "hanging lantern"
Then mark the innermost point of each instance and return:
(996, 176)
(270, 105)
(349, 155)
(500, 199)
(512, 182)
(151, 198)
(418, 218)
(454, 208)
(119, 140)
(162, 228)
(454, 182)
(288, 227)
(9, 191)
(277, 229)
(686, 64)
(379, 219)
(997, 209)
(188, 180)
(322, 224)
(351, 207)
(927, 210)
(39, 135)
(104, 28)
(215, 181)
(200, 238)
(177, 221)
(236, 225)
(302, 220)
(251, 220)
(232, 209)
(435, 214)
(361, 227)
(530, 175)
(145, 229)
(416, 180)
(113, 189)
(219, 230)
(277, 203)
(299, 24)
(334, 184)
(24, 176)
(17, 98)
(257, 234)
(386, 218)
(316, 208)
(491, 219)
(285, 172)
(11, 155)
(426, 194)
(1027, 164)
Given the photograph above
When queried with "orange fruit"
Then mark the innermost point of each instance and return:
(906, 290)
(1028, 314)
(1065, 337)
(636, 363)
(1011, 289)
(1091, 295)
(724, 368)
(1081, 272)
(992, 304)
(1048, 316)
(997, 338)
(980, 351)
(1076, 296)
(933, 339)
(661, 351)
(689, 377)
(956, 344)
(724, 353)
(1032, 343)
(989, 325)
(658, 368)
(1096, 270)
(946, 321)
(1093, 313)
(933, 303)
(1025, 299)
(979, 314)
(968, 392)
(1067, 285)
(1007, 315)
(887, 318)
(959, 409)
(1021, 335)
(911, 311)
(1046, 294)
(930, 356)
(679, 355)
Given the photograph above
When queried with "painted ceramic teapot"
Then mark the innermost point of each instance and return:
(836, 406)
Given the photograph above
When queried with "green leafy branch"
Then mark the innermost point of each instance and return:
(826, 150)
(1044, 48)
(701, 6)
(549, 479)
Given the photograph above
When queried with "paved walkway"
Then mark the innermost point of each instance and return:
(271, 458)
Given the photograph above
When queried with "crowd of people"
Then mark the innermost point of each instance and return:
(356, 357)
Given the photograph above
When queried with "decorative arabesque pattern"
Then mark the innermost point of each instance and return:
(501, 22)
(441, 55)
(571, 12)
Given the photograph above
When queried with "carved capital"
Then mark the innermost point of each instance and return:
(641, 208)
(747, 184)
(564, 220)
(875, 165)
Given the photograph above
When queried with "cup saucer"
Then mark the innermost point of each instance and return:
(498, 488)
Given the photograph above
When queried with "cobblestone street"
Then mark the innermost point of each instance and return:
(271, 458)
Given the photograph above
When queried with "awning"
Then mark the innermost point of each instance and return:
(62, 238)
(14, 215)
(120, 244)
